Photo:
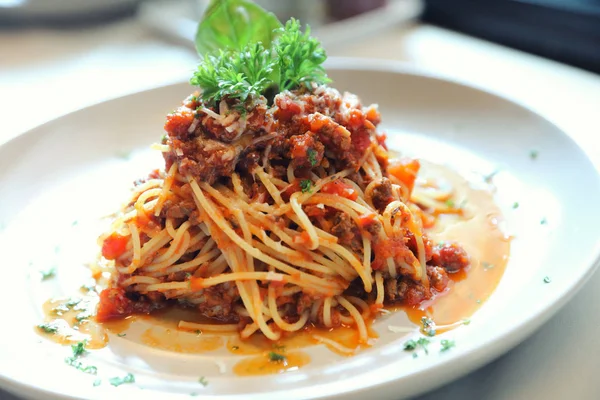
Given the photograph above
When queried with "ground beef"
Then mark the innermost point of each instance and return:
(203, 158)
(219, 301)
(382, 194)
(347, 232)
(405, 291)
(177, 209)
(118, 303)
(307, 127)
(438, 278)
(305, 150)
(450, 256)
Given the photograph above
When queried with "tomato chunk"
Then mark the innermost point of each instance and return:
(340, 188)
(113, 304)
(114, 246)
(405, 170)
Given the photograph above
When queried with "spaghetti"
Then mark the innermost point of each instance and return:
(277, 218)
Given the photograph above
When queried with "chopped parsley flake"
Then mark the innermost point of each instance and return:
(547, 279)
(276, 357)
(305, 185)
(450, 203)
(51, 273)
(533, 154)
(447, 345)
(79, 348)
(97, 382)
(466, 321)
(118, 381)
(312, 156)
(48, 328)
(198, 332)
(121, 334)
(515, 205)
(490, 177)
(413, 345)
(203, 381)
(486, 265)
(75, 363)
(83, 316)
(543, 221)
(428, 326)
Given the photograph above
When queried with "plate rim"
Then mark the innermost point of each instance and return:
(501, 343)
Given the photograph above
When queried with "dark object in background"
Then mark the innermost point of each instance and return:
(63, 13)
(564, 30)
(342, 9)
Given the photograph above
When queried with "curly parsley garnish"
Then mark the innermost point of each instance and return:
(203, 381)
(247, 53)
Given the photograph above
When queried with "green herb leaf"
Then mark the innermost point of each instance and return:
(486, 265)
(51, 273)
(118, 381)
(533, 154)
(97, 382)
(450, 203)
(246, 53)
(121, 334)
(203, 381)
(312, 156)
(515, 205)
(447, 345)
(79, 348)
(75, 363)
(410, 345)
(276, 357)
(547, 279)
(413, 345)
(305, 185)
(233, 24)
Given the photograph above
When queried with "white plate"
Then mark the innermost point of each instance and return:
(75, 169)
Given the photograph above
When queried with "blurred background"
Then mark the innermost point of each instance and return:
(57, 56)
(92, 50)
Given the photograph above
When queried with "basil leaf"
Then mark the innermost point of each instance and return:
(233, 24)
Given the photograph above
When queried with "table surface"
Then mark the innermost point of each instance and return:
(73, 69)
